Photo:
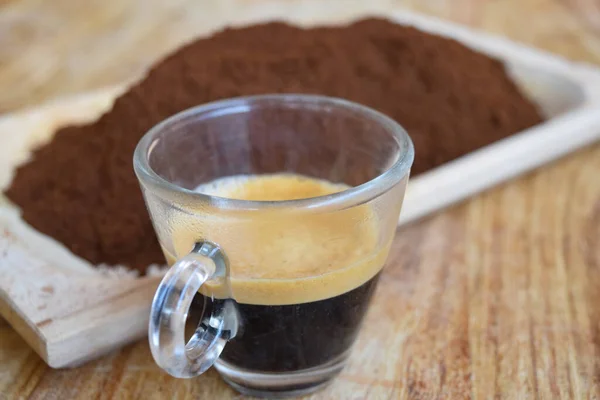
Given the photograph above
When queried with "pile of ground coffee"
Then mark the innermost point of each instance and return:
(81, 189)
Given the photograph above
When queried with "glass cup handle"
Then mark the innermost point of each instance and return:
(166, 330)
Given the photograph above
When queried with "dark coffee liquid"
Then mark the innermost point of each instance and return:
(294, 337)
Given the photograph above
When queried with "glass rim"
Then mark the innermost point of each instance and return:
(346, 198)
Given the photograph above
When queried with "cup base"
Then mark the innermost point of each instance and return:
(276, 385)
(276, 393)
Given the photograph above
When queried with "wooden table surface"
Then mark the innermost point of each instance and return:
(496, 298)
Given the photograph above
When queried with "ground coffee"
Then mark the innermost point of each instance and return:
(81, 189)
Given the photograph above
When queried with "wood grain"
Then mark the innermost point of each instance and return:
(496, 298)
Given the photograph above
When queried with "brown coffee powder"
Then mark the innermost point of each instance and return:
(81, 189)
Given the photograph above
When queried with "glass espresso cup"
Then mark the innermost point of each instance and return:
(276, 214)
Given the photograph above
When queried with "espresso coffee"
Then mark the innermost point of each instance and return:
(301, 282)
(285, 338)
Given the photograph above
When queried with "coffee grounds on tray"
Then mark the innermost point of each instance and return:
(81, 189)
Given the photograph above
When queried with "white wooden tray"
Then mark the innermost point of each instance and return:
(70, 312)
